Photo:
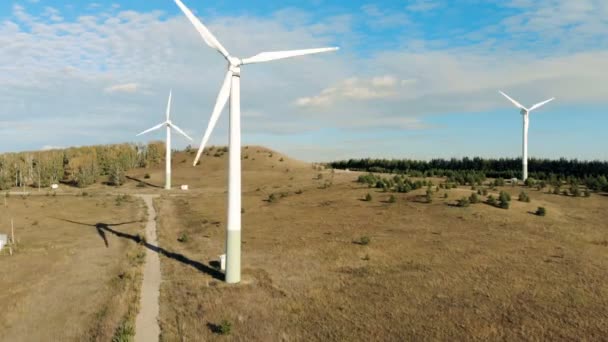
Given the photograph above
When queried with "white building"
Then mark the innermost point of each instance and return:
(3, 241)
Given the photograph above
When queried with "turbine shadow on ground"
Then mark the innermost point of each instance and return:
(102, 228)
(143, 182)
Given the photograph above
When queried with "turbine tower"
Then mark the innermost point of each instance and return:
(169, 125)
(231, 88)
(525, 112)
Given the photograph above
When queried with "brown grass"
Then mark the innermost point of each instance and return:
(430, 271)
(63, 283)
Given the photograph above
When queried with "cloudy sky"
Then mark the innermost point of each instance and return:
(413, 78)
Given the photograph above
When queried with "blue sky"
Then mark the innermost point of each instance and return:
(414, 79)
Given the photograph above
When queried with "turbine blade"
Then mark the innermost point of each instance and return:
(538, 105)
(517, 104)
(204, 32)
(271, 56)
(222, 98)
(169, 105)
(179, 130)
(151, 129)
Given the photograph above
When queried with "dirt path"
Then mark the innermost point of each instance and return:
(146, 323)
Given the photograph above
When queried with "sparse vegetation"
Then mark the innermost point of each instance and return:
(473, 199)
(541, 211)
(523, 197)
(368, 197)
(183, 238)
(363, 241)
(463, 202)
(392, 199)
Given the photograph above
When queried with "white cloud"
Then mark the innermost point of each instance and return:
(423, 5)
(123, 88)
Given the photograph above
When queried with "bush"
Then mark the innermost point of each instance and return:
(429, 196)
(183, 238)
(272, 198)
(363, 241)
(523, 197)
(503, 200)
(463, 202)
(445, 195)
(368, 197)
(491, 200)
(541, 211)
(392, 199)
(147, 176)
(587, 193)
(474, 199)
(225, 328)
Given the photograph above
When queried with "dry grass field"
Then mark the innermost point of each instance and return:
(429, 272)
(75, 274)
(319, 262)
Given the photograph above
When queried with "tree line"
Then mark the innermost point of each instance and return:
(77, 166)
(473, 170)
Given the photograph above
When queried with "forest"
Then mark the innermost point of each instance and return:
(593, 174)
(77, 166)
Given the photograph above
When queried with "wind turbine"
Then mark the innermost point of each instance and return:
(169, 125)
(231, 88)
(525, 112)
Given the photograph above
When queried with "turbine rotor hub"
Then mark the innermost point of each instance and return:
(524, 112)
(235, 62)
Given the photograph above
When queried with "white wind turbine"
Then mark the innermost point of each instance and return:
(525, 113)
(169, 125)
(231, 89)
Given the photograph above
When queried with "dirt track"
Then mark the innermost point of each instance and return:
(146, 323)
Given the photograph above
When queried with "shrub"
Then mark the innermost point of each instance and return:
(225, 328)
(445, 195)
(575, 191)
(429, 196)
(183, 238)
(363, 241)
(491, 200)
(299, 192)
(272, 198)
(523, 197)
(141, 185)
(473, 198)
(368, 197)
(503, 200)
(587, 193)
(541, 211)
(147, 176)
(392, 199)
(463, 202)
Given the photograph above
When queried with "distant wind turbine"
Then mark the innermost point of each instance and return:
(169, 125)
(231, 88)
(525, 112)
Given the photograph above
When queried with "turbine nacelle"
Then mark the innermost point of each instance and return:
(524, 112)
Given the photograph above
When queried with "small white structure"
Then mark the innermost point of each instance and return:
(184, 187)
(54, 186)
(3, 240)
(223, 262)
